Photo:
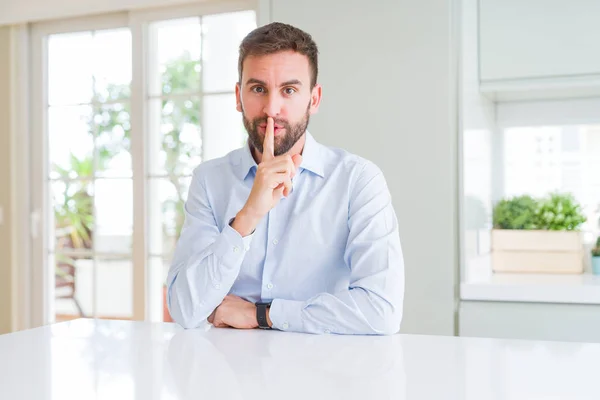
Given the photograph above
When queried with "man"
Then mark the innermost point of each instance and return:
(286, 233)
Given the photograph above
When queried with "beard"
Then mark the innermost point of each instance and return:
(284, 142)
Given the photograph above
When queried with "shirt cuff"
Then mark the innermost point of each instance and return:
(286, 315)
(231, 247)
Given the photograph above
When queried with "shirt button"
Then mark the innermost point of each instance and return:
(275, 241)
(270, 286)
(327, 331)
(217, 286)
(247, 248)
(285, 325)
(236, 249)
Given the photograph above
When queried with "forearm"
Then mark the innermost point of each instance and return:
(355, 311)
(200, 280)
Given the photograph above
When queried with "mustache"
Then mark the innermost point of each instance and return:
(263, 120)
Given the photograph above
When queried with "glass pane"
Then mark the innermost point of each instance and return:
(73, 277)
(223, 34)
(532, 160)
(112, 64)
(175, 143)
(71, 142)
(113, 141)
(73, 205)
(114, 288)
(177, 62)
(166, 199)
(114, 215)
(70, 63)
(223, 126)
(546, 159)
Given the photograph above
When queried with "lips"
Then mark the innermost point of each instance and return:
(276, 126)
(278, 129)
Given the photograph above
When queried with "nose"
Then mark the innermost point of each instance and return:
(272, 106)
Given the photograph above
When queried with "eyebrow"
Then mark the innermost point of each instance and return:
(286, 83)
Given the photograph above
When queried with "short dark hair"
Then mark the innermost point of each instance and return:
(276, 37)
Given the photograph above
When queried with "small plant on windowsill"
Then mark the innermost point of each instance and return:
(515, 213)
(596, 258)
(538, 235)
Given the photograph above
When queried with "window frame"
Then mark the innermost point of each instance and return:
(147, 305)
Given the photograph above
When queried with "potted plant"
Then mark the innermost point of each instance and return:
(538, 235)
(596, 258)
(73, 220)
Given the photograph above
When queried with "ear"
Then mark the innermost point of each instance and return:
(238, 97)
(315, 98)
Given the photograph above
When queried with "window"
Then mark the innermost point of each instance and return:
(89, 87)
(127, 105)
(543, 159)
(520, 156)
(192, 116)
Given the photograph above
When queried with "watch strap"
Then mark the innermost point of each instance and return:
(261, 314)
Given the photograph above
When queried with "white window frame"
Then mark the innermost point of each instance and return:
(20, 132)
(142, 54)
(40, 300)
(41, 296)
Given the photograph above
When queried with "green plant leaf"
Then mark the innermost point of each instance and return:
(515, 213)
(559, 212)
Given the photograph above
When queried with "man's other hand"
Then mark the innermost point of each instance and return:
(234, 312)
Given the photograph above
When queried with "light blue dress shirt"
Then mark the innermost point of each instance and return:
(328, 255)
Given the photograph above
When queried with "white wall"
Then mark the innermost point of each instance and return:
(388, 95)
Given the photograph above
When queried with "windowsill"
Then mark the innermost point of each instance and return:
(483, 285)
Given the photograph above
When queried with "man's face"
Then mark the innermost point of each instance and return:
(277, 85)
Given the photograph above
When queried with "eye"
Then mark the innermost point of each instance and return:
(258, 89)
(289, 90)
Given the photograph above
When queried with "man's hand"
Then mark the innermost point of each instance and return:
(234, 312)
(273, 179)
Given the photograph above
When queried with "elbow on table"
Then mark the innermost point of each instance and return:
(184, 316)
(387, 320)
(388, 324)
(188, 324)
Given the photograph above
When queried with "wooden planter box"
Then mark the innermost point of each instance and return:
(552, 252)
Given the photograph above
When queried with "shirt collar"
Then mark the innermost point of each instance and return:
(312, 159)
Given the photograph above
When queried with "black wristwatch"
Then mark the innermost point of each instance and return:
(261, 314)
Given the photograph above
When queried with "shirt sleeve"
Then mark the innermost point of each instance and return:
(206, 261)
(373, 302)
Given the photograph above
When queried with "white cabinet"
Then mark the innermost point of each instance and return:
(539, 44)
(530, 321)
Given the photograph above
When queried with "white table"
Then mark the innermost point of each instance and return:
(88, 359)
